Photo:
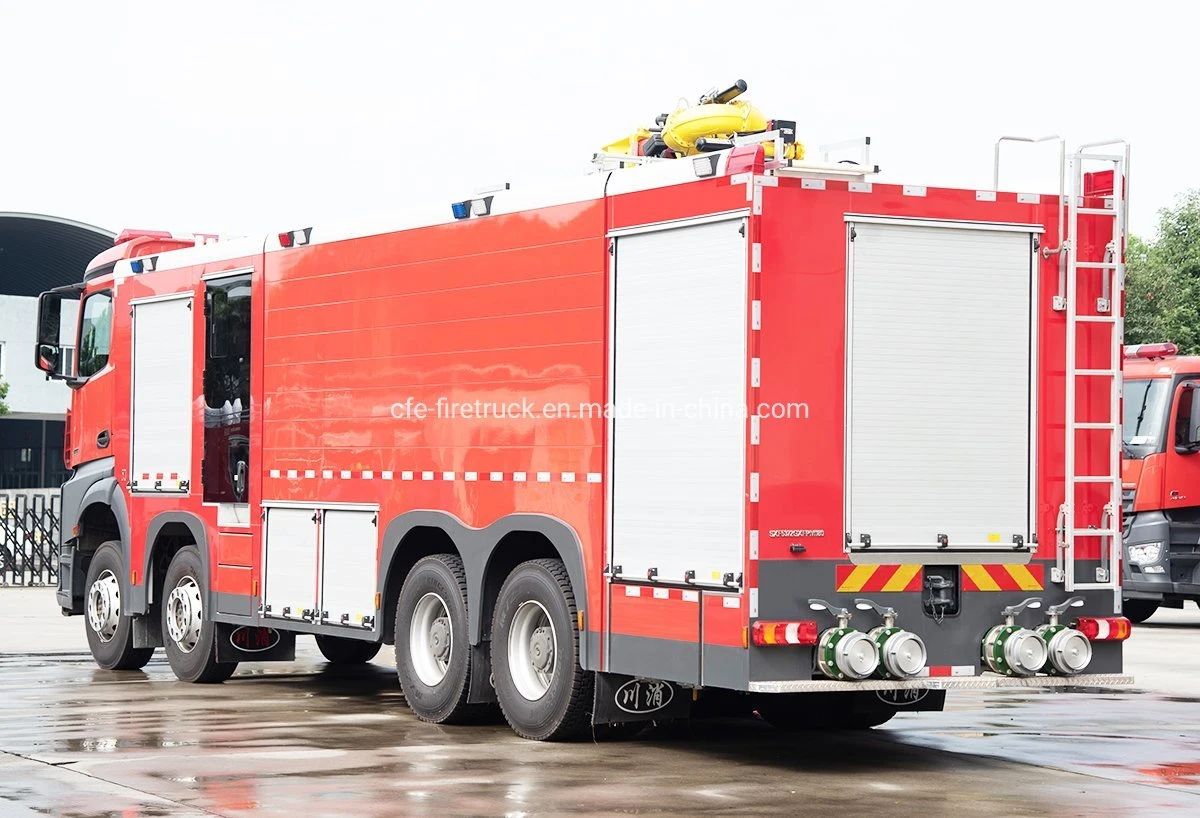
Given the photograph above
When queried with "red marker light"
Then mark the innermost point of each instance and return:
(1104, 629)
(285, 239)
(784, 633)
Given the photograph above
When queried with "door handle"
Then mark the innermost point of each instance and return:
(102, 439)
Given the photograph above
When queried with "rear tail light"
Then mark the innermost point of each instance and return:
(784, 633)
(1104, 629)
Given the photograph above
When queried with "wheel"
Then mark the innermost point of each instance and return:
(342, 651)
(544, 693)
(1138, 611)
(109, 634)
(190, 636)
(816, 711)
(433, 653)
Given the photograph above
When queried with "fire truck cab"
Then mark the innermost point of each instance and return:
(717, 422)
(1160, 472)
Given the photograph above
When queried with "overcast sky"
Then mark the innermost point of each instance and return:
(245, 116)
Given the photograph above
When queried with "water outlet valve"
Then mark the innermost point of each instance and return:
(843, 652)
(902, 654)
(1069, 651)
(1012, 650)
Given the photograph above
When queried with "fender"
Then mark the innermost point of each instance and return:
(476, 546)
(139, 602)
(91, 484)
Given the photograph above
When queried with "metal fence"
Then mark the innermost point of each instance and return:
(29, 535)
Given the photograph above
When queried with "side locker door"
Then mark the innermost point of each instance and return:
(161, 408)
(290, 546)
(349, 566)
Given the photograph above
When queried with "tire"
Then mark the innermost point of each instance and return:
(816, 711)
(188, 634)
(543, 692)
(433, 651)
(109, 631)
(342, 651)
(1138, 611)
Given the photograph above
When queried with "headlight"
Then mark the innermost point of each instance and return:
(1145, 553)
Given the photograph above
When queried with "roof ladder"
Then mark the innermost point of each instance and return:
(1077, 516)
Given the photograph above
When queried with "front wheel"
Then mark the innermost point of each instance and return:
(544, 693)
(190, 636)
(1138, 611)
(109, 631)
(342, 651)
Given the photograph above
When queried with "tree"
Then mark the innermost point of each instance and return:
(1162, 280)
(3, 395)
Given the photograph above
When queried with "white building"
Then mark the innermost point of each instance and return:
(37, 253)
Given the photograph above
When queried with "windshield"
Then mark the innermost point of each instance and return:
(1145, 416)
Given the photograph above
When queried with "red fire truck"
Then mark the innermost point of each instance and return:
(1161, 492)
(718, 422)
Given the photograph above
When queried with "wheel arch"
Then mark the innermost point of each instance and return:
(486, 553)
(167, 533)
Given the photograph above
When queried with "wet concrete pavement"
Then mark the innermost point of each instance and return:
(310, 740)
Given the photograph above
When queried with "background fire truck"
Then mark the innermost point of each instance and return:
(1161, 488)
(387, 433)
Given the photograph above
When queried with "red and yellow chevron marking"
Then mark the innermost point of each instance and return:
(1003, 577)
(852, 579)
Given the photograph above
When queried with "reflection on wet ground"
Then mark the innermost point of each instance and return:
(307, 739)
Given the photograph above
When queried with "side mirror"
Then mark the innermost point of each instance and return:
(56, 314)
(1187, 418)
(49, 357)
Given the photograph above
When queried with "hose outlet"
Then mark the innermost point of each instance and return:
(1014, 651)
(902, 654)
(1069, 651)
(846, 653)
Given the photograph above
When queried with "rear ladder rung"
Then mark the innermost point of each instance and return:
(1095, 319)
(1095, 211)
(1096, 532)
(1099, 373)
(1096, 265)
(1090, 425)
(1094, 478)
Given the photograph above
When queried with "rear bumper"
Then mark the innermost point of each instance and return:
(985, 682)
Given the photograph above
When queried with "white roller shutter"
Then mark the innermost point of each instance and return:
(162, 395)
(938, 387)
(679, 391)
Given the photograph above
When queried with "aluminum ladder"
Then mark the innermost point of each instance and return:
(1111, 269)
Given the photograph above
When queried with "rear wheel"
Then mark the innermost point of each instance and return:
(342, 651)
(109, 631)
(543, 692)
(1139, 610)
(433, 653)
(189, 635)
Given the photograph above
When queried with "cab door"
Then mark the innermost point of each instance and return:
(1181, 485)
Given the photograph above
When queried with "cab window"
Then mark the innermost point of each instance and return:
(95, 334)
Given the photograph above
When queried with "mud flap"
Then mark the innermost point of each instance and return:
(246, 643)
(621, 699)
(882, 702)
(481, 691)
(147, 631)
